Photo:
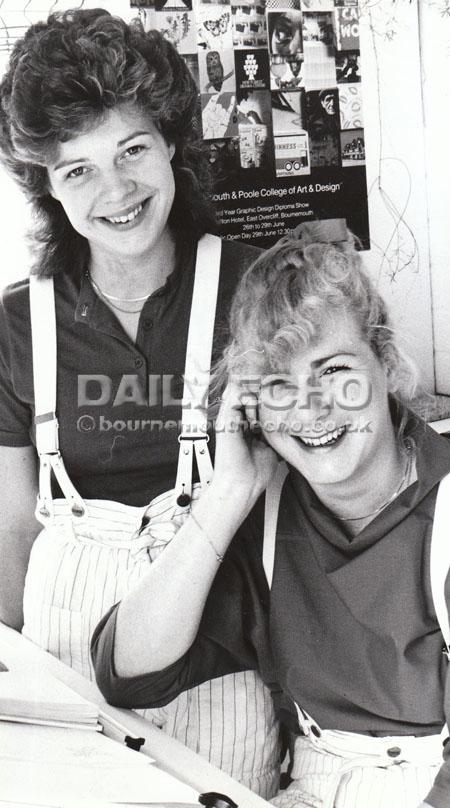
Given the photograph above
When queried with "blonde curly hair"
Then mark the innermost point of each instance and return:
(287, 294)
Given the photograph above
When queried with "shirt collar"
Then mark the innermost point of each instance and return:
(432, 464)
(90, 310)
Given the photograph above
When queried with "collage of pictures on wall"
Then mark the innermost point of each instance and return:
(280, 94)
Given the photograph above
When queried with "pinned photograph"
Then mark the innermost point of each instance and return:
(178, 27)
(350, 106)
(288, 112)
(318, 27)
(317, 5)
(285, 35)
(286, 75)
(214, 27)
(191, 60)
(249, 24)
(322, 112)
(322, 123)
(217, 72)
(282, 4)
(219, 117)
(255, 143)
(254, 107)
(223, 156)
(325, 151)
(170, 5)
(347, 28)
(320, 53)
(348, 67)
(252, 69)
(291, 155)
(353, 148)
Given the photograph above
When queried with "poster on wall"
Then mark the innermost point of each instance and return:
(280, 98)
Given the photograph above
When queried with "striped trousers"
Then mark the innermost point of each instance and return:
(79, 567)
(346, 770)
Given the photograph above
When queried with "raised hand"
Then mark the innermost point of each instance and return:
(243, 459)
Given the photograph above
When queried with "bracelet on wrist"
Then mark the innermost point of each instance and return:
(219, 556)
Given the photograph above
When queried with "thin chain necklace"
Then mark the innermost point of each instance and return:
(109, 299)
(112, 297)
(404, 482)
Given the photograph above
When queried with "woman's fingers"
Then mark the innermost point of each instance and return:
(251, 409)
(241, 448)
(239, 410)
(231, 410)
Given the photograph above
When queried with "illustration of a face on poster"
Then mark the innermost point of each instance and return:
(285, 33)
(323, 110)
(285, 48)
(322, 119)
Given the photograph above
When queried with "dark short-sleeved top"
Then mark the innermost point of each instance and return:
(349, 630)
(118, 431)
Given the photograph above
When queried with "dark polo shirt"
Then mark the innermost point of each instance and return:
(349, 629)
(118, 436)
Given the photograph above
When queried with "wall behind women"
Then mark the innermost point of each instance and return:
(396, 168)
(435, 42)
(397, 159)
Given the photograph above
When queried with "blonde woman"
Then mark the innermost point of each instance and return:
(340, 621)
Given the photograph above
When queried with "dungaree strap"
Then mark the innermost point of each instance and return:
(271, 507)
(193, 437)
(44, 347)
(440, 558)
(43, 326)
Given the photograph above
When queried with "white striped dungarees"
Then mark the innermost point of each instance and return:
(334, 769)
(91, 552)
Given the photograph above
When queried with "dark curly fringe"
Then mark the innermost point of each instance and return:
(63, 76)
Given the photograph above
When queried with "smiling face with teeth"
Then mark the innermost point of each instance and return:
(116, 185)
(329, 416)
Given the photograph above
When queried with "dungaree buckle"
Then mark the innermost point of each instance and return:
(183, 499)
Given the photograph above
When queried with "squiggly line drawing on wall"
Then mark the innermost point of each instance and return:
(401, 251)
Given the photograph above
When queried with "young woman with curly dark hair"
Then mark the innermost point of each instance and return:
(99, 128)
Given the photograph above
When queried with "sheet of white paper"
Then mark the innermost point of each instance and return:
(33, 743)
(47, 766)
(35, 693)
(47, 785)
(42, 722)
